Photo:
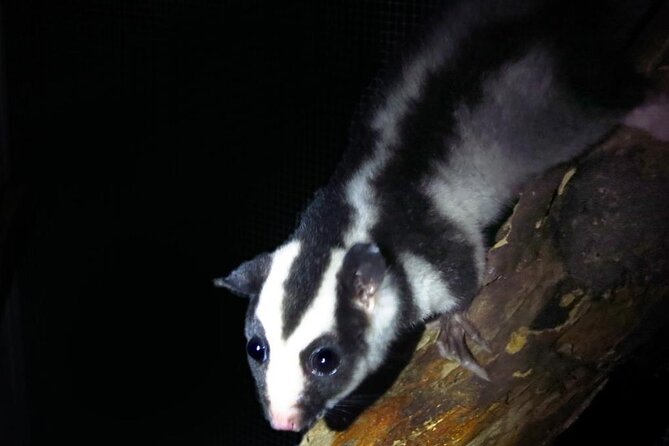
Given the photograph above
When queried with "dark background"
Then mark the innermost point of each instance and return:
(147, 147)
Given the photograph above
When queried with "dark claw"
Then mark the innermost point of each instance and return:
(472, 331)
(452, 343)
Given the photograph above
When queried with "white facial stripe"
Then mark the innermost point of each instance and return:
(429, 289)
(320, 317)
(284, 377)
(270, 301)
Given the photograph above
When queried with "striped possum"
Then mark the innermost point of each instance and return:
(497, 92)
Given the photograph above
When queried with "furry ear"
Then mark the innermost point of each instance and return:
(365, 268)
(247, 279)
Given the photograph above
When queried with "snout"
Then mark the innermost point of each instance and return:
(286, 419)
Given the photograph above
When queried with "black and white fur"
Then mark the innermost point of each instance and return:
(499, 92)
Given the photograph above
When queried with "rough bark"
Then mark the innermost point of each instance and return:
(577, 279)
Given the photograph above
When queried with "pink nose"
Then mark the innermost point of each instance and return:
(285, 420)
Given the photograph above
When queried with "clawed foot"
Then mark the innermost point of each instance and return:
(452, 343)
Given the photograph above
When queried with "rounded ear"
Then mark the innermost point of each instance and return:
(247, 279)
(364, 268)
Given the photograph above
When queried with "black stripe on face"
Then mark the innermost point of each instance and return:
(348, 343)
(320, 231)
(304, 281)
(319, 389)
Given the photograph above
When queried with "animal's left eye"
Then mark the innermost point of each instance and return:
(258, 349)
(324, 361)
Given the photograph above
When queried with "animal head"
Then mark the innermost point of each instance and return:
(317, 324)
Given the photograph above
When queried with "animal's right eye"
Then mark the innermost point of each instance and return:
(324, 361)
(257, 349)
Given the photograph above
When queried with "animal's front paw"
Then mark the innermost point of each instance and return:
(453, 345)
